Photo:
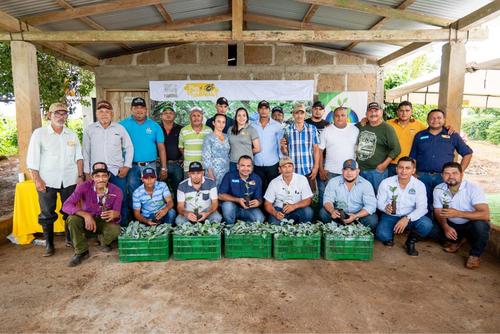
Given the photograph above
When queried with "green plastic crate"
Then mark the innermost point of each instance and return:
(306, 247)
(207, 247)
(134, 250)
(247, 245)
(338, 248)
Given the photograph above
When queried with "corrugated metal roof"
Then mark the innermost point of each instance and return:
(285, 9)
(453, 9)
(185, 9)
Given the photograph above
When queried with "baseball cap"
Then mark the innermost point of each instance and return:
(299, 107)
(166, 107)
(195, 108)
(285, 161)
(58, 106)
(263, 103)
(195, 166)
(222, 100)
(99, 167)
(373, 105)
(277, 109)
(148, 171)
(318, 104)
(350, 163)
(138, 101)
(104, 104)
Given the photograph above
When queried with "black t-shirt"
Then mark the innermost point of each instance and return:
(319, 125)
(172, 142)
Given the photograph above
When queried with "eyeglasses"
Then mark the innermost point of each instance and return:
(60, 113)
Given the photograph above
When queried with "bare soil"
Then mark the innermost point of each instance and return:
(485, 165)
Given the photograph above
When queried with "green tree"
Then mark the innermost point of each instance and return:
(408, 71)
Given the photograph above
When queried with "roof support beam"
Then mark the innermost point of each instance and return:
(186, 23)
(163, 12)
(310, 13)
(237, 20)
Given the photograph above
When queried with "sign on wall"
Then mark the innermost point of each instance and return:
(355, 102)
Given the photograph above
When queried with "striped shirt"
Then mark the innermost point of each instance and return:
(301, 146)
(192, 143)
(150, 205)
(200, 199)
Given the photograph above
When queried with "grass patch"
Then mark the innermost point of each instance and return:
(494, 203)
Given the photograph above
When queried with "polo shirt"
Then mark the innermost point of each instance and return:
(229, 123)
(411, 201)
(280, 193)
(468, 195)
(301, 146)
(361, 195)
(150, 204)
(172, 142)
(193, 198)
(241, 144)
(232, 184)
(144, 137)
(192, 143)
(433, 151)
(405, 135)
(270, 137)
(54, 156)
(339, 145)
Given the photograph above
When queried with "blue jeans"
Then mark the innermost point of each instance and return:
(121, 182)
(370, 221)
(302, 215)
(232, 211)
(431, 180)
(175, 175)
(169, 218)
(322, 186)
(477, 234)
(214, 217)
(385, 228)
(374, 177)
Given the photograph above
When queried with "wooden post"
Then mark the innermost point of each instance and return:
(25, 74)
(451, 83)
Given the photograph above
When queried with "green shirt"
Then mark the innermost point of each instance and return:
(375, 144)
(192, 143)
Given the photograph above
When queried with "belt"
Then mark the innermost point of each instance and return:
(143, 163)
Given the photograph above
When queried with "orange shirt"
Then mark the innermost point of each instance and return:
(405, 135)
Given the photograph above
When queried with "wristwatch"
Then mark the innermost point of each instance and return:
(164, 168)
(409, 219)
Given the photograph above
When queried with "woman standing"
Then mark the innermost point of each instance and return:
(243, 138)
(215, 152)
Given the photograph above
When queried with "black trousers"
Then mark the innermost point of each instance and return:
(48, 200)
(267, 174)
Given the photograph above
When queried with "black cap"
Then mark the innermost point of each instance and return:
(148, 171)
(222, 101)
(318, 104)
(350, 164)
(100, 167)
(373, 105)
(138, 101)
(277, 109)
(195, 166)
(263, 103)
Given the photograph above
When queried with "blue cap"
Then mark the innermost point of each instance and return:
(351, 164)
(148, 171)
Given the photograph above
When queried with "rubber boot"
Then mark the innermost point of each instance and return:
(48, 233)
(410, 244)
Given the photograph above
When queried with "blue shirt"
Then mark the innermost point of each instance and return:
(144, 137)
(301, 146)
(232, 184)
(433, 151)
(361, 195)
(270, 136)
(150, 205)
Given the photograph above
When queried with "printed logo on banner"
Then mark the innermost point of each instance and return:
(170, 91)
(201, 89)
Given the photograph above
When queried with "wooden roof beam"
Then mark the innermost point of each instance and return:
(163, 12)
(311, 11)
(237, 19)
(186, 23)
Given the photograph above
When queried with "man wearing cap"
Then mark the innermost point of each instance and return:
(191, 137)
(300, 142)
(378, 145)
(402, 200)
(241, 193)
(270, 133)
(152, 201)
(171, 132)
(352, 195)
(288, 196)
(278, 115)
(109, 142)
(221, 107)
(197, 199)
(316, 119)
(94, 208)
(56, 164)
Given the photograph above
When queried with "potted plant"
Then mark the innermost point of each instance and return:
(394, 199)
(248, 194)
(446, 200)
(196, 209)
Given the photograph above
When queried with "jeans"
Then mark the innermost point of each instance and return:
(169, 218)
(76, 225)
(374, 177)
(232, 211)
(175, 175)
(385, 228)
(121, 182)
(214, 217)
(477, 234)
(370, 221)
(47, 201)
(431, 180)
(322, 186)
(302, 215)
(266, 174)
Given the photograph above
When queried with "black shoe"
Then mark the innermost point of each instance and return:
(105, 248)
(388, 243)
(410, 244)
(78, 258)
(48, 233)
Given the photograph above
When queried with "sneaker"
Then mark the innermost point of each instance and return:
(78, 258)
(453, 247)
(473, 262)
(388, 243)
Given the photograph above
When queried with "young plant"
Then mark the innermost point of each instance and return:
(196, 205)
(136, 230)
(248, 193)
(198, 229)
(445, 198)
(394, 199)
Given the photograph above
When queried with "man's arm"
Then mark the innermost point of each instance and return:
(163, 160)
(128, 148)
(269, 207)
(481, 212)
(86, 153)
(466, 161)
(317, 160)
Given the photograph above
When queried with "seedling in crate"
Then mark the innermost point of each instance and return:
(196, 209)
(248, 194)
(394, 199)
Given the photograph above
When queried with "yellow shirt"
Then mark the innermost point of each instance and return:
(405, 135)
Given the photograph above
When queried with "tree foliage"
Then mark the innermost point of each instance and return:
(408, 71)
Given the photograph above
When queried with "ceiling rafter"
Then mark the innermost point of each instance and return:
(311, 11)
(163, 12)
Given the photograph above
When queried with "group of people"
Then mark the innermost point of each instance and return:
(394, 177)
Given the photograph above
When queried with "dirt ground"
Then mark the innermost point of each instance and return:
(396, 293)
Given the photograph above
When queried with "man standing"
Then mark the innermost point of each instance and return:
(197, 199)
(191, 137)
(94, 207)
(288, 196)
(377, 146)
(171, 132)
(221, 107)
(461, 209)
(270, 132)
(241, 193)
(403, 203)
(352, 195)
(316, 119)
(109, 142)
(277, 114)
(56, 164)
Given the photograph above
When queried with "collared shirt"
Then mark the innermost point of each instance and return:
(468, 195)
(54, 156)
(270, 137)
(172, 142)
(111, 145)
(85, 198)
(405, 135)
(339, 145)
(361, 195)
(301, 146)
(150, 204)
(192, 143)
(411, 201)
(242, 143)
(229, 123)
(232, 184)
(433, 151)
(192, 198)
(279, 192)
(145, 138)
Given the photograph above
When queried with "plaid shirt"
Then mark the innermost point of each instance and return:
(301, 146)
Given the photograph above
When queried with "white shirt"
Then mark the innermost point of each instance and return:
(54, 156)
(411, 201)
(340, 145)
(468, 195)
(279, 193)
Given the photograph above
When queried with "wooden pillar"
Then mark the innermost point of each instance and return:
(26, 92)
(451, 83)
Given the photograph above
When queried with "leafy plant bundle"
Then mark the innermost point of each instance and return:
(198, 229)
(246, 228)
(347, 231)
(136, 230)
(286, 228)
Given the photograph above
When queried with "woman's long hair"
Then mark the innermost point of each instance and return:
(234, 128)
